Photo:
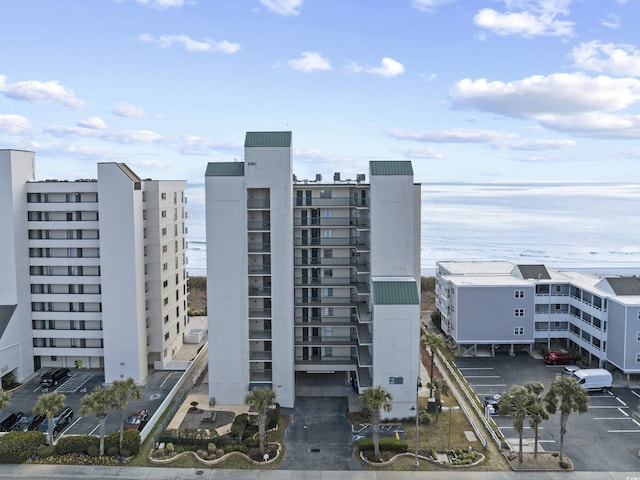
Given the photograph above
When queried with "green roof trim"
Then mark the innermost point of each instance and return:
(395, 293)
(267, 139)
(385, 167)
(225, 169)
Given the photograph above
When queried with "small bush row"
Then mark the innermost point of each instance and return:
(385, 444)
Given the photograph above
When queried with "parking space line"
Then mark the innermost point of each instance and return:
(94, 429)
(622, 431)
(612, 418)
(621, 401)
(636, 422)
(636, 394)
(476, 368)
(165, 381)
(623, 412)
(546, 441)
(482, 376)
(523, 427)
(606, 406)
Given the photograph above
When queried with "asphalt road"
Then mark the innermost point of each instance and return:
(319, 437)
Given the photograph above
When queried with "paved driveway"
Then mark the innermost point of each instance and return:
(319, 437)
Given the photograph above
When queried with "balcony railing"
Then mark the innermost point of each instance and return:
(324, 261)
(326, 241)
(259, 269)
(324, 281)
(259, 291)
(258, 225)
(259, 247)
(319, 360)
(325, 322)
(323, 222)
(259, 334)
(259, 313)
(312, 341)
(324, 301)
(261, 203)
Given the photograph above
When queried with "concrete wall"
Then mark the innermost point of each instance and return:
(123, 277)
(16, 350)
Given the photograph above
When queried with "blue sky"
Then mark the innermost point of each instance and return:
(469, 90)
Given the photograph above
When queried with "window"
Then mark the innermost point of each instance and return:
(328, 253)
(518, 330)
(519, 312)
(165, 266)
(165, 284)
(164, 230)
(325, 193)
(328, 292)
(166, 336)
(637, 357)
(164, 249)
(328, 311)
(328, 332)
(328, 273)
(163, 214)
(519, 293)
(165, 301)
(327, 213)
(638, 336)
(166, 319)
(163, 196)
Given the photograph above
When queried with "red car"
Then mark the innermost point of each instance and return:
(553, 357)
(137, 420)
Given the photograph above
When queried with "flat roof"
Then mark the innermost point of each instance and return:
(476, 268)
(488, 281)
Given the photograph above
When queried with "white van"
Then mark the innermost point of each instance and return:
(593, 378)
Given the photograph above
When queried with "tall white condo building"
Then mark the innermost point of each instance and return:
(92, 271)
(306, 276)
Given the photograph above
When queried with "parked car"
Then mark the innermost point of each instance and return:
(491, 402)
(8, 423)
(555, 357)
(54, 377)
(569, 369)
(27, 422)
(61, 420)
(137, 420)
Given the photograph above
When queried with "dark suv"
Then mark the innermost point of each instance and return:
(54, 377)
(60, 421)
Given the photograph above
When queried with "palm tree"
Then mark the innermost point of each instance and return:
(260, 400)
(5, 398)
(440, 387)
(433, 341)
(537, 413)
(566, 391)
(123, 391)
(98, 402)
(49, 404)
(516, 403)
(375, 399)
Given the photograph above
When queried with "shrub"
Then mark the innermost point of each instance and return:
(239, 425)
(219, 452)
(386, 444)
(44, 451)
(211, 447)
(160, 452)
(203, 454)
(424, 418)
(198, 438)
(113, 451)
(16, 447)
(125, 453)
(76, 444)
(93, 451)
(130, 441)
(236, 448)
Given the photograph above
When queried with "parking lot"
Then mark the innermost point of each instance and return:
(83, 381)
(606, 438)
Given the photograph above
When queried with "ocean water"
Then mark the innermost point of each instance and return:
(594, 227)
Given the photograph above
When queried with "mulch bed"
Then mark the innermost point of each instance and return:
(546, 461)
(193, 420)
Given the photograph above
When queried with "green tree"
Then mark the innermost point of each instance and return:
(260, 400)
(123, 391)
(49, 404)
(375, 399)
(98, 402)
(537, 413)
(566, 392)
(440, 387)
(433, 341)
(5, 398)
(516, 403)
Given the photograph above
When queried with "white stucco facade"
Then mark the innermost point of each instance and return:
(81, 254)
(289, 274)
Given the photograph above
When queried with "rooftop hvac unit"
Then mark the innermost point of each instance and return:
(360, 177)
(336, 177)
(318, 177)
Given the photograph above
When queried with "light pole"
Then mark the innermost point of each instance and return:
(416, 463)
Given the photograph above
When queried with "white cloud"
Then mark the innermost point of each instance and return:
(455, 135)
(595, 124)
(388, 68)
(14, 124)
(429, 5)
(133, 136)
(93, 122)
(420, 152)
(536, 145)
(40, 92)
(161, 4)
(611, 21)
(528, 18)
(189, 44)
(283, 7)
(618, 59)
(309, 62)
(557, 94)
(128, 110)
